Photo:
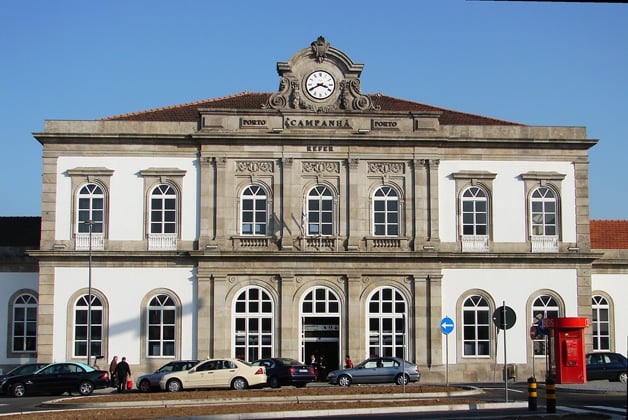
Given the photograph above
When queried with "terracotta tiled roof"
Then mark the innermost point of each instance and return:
(251, 100)
(20, 231)
(609, 234)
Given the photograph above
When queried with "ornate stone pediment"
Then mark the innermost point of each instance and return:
(322, 79)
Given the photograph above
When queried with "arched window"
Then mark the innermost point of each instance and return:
(474, 212)
(320, 211)
(601, 323)
(543, 212)
(90, 208)
(81, 317)
(386, 322)
(24, 328)
(320, 325)
(253, 320)
(544, 306)
(161, 326)
(385, 212)
(476, 326)
(254, 213)
(163, 210)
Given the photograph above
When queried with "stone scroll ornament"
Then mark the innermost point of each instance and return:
(349, 98)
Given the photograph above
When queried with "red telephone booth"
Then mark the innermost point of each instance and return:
(566, 349)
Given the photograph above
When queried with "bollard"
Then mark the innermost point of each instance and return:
(550, 395)
(532, 395)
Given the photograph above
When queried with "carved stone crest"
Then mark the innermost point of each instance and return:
(319, 48)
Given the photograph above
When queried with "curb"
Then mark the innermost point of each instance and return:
(66, 403)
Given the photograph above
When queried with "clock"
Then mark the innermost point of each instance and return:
(320, 84)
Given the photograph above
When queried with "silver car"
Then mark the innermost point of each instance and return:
(377, 370)
(150, 381)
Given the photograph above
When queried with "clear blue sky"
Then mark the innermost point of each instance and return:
(536, 63)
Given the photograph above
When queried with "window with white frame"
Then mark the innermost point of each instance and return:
(254, 211)
(82, 323)
(476, 326)
(24, 328)
(386, 322)
(320, 301)
(163, 210)
(161, 326)
(253, 321)
(601, 323)
(474, 212)
(90, 208)
(385, 212)
(320, 211)
(543, 212)
(544, 306)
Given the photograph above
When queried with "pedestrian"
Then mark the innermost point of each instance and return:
(314, 364)
(122, 373)
(322, 368)
(348, 362)
(112, 371)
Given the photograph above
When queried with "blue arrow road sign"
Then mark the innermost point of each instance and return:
(446, 325)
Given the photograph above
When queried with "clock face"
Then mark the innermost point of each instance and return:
(320, 84)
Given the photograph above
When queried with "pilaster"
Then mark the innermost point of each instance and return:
(355, 321)
(221, 342)
(288, 340)
(45, 312)
(204, 327)
(208, 201)
(355, 206)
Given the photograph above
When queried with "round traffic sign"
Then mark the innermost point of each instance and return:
(446, 325)
(504, 317)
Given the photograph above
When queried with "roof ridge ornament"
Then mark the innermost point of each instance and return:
(320, 47)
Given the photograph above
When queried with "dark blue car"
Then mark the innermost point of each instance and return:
(607, 365)
(283, 371)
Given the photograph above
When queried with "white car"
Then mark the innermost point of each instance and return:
(215, 373)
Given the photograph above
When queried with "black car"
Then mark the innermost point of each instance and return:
(607, 365)
(25, 369)
(57, 378)
(283, 371)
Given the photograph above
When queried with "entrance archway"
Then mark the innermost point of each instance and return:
(320, 328)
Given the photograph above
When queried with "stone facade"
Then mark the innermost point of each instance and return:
(360, 245)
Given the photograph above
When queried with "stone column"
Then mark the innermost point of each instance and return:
(584, 300)
(433, 230)
(45, 312)
(418, 211)
(204, 327)
(287, 342)
(428, 313)
(207, 202)
(357, 205)
(355, 320)
(581, 169)
(224, 202)
(221, 340)
(288, 203)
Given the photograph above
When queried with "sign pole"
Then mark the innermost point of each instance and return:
(505, 357)
(446, 327)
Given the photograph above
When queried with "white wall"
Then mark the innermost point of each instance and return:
(125, 288)
(615, 286)
(508, 206)
(126, 200)
(515, 288)
(9, 284)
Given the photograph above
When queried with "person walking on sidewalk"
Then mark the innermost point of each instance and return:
(122, 373)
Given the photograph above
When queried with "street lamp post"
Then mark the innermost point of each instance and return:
(89, 224)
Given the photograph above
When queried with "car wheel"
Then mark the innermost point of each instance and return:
(18, 390)
(344, 380)
(273, 381)
(239, 384)
(144, 386)
(623, 377)
(86, 388)
(174, 385)
(401, 379)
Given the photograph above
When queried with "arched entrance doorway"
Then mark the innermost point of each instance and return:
(320, 328)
